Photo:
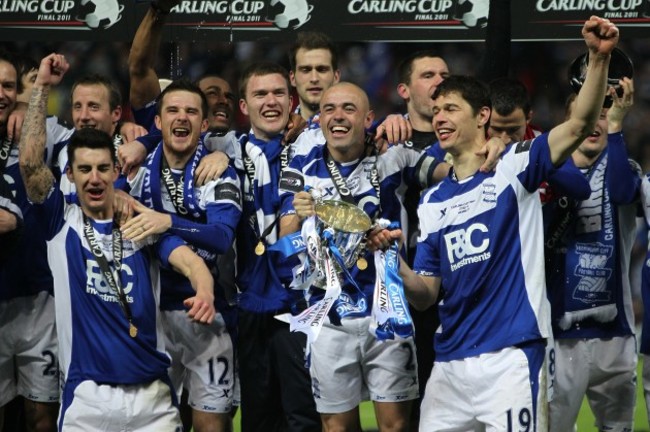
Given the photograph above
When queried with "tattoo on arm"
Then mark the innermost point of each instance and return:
(37, 176)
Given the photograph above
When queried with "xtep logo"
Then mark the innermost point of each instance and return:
(296, 11)
(465, 246)
(105, 13)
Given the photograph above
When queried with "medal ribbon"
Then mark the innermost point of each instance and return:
(182, 193)
(175, 189)
(112, 277)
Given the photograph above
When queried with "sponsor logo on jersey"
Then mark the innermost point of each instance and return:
(467, 245)
(97, 285)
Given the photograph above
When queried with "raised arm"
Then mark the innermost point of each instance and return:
(144, 52)
(601, 37)
(623, 181)
(36, 174)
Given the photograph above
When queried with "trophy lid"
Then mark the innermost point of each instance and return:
(620, 66)
(343, 216)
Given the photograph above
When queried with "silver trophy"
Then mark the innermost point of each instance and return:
(348, 225)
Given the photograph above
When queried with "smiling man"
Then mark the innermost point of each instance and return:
(347, 360)
(205, 217)
(275, 384)
(482, 233)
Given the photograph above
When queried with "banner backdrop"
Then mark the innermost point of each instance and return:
(343, 20)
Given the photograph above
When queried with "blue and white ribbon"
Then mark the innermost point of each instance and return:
(390, 310)
(310, 269)
(311, 320)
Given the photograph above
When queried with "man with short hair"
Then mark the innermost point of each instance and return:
(106, 289)
(511, 111)
(27, 69)
(275, 383)
(314, 68)
(347, 359)
(495, 315)
(206, 218)
(419, 75)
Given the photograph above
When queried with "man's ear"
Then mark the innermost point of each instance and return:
(116, 114)
(204, 125)
(370, 116)
(243, 106)
(483, 116)
(158, 122)
(337, 76)
(403, 91)
(68, 173)
(292, 78)
(529, 117)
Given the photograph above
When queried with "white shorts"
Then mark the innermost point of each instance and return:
(348, 363)
(28, 349)
(498, 391)
(602, 369)
(202, 360)
(146, 407)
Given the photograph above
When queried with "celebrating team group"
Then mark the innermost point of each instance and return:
(158, 275)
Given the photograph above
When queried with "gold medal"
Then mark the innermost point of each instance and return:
(362, 264)
(133, 331)
(259, 249)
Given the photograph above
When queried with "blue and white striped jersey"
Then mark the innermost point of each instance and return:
(396, 169)
(214, 210)
(93, 331)
(483, 236)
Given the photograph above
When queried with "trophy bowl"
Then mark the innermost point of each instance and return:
(349, 224)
